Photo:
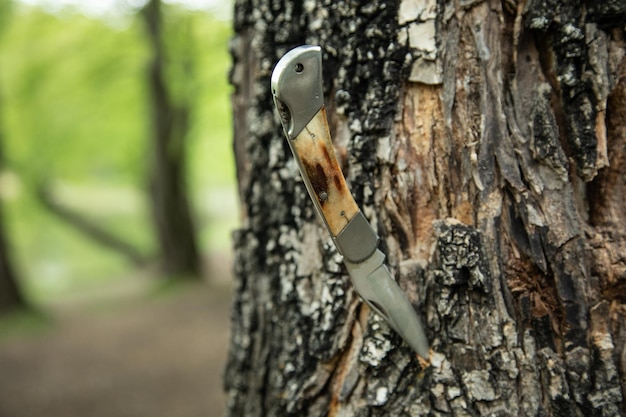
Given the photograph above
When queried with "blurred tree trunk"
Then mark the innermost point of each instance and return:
(169, 123)
(10, 294)
(11, 297)
(485, 140)
(90, 228)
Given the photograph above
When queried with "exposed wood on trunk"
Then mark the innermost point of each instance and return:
(484, 141)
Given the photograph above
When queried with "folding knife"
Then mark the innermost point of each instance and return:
(298, 95)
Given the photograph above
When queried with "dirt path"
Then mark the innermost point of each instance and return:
(146, 356)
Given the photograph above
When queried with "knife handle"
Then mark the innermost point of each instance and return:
(322, 175)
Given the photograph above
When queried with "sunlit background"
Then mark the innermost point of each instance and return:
(74, 107)
(75, 123)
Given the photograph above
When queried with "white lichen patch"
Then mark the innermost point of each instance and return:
(437, 360)
(382, 394)
(417, 19)
(478, 386)
(453, 392)
(426, 72)
(422, 36)
(384, 150)
(376, 346)
(411, 10)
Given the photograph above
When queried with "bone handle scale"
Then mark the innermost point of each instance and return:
(325, 181)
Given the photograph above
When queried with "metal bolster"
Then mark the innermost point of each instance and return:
(357, 241)
(297, 87)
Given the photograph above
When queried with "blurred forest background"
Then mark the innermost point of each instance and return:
(116, 166)
(77, 137)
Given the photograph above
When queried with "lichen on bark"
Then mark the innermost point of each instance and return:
(467, 131)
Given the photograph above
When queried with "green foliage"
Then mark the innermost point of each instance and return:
(76, 99)
(73, 110)
(75, 102)
(211, 156)
(6, 7)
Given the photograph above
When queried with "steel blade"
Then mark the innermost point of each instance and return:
(374, 283)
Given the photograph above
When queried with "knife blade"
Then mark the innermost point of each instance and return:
(297, 89)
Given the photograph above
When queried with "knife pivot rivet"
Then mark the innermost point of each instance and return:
(323, 196)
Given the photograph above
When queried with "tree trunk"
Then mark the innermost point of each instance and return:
(169, 123)
(11, 297)
(485, 141)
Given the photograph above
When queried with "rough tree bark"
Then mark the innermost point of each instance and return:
(168, 192)
(485, 140)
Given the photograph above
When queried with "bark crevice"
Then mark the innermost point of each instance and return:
(468, 148)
